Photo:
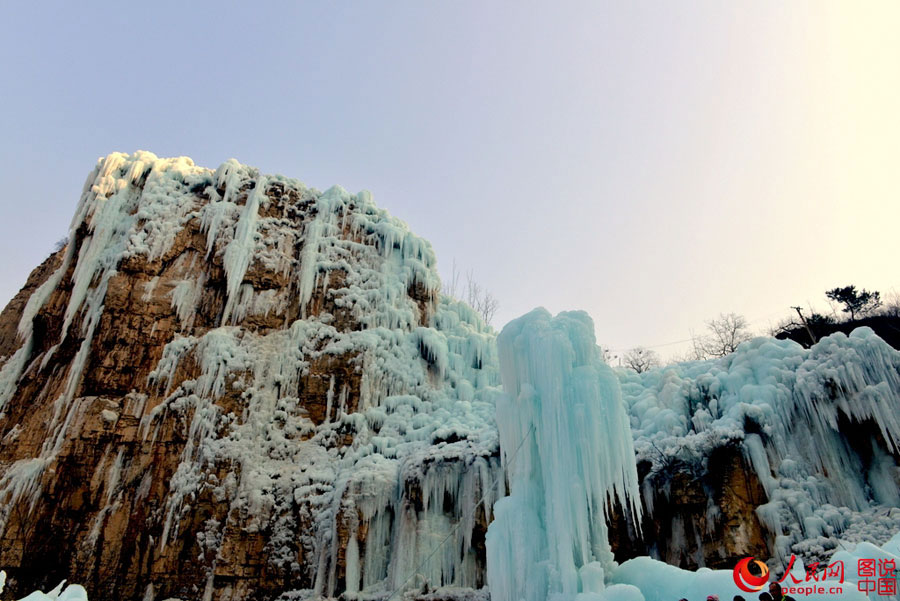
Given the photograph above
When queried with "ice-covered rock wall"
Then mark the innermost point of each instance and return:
(567, 448)
(232, 386)
(804, 438)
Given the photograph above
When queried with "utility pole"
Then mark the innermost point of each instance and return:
(805, 324)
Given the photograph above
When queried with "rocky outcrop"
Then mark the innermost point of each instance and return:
(12, 313)
(231, 386)
(695, 517)
(772, 451)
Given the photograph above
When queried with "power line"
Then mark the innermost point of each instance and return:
(620, 350)
(649, 346)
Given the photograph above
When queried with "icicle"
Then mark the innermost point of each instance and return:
(240, 252)
(309, 261)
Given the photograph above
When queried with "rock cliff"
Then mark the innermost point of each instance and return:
(229, 385)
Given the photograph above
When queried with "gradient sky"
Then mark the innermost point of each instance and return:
(653, 163)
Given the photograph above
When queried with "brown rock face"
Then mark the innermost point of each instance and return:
(696, 518)
(12, 314)
(204, 372)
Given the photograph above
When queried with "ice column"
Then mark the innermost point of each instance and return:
(566, 443)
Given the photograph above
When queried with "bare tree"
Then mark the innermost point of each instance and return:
(892, 305)
(480, 299)
(698, 350)
(724, 334)
(799, 310)
(641, 359)
(784, 325)
(682, 357)
(609, 357)
(475, 295)
(450, 286)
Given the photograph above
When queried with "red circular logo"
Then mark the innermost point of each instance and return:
(746, 581)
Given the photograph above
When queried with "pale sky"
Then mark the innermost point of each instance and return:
(654, 163)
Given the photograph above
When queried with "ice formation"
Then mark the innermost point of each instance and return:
(819, 427)
(646, 579)
(422, 432)
(567, 448)
(658, 581)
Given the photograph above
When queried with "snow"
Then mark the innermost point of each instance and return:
(658, 581)
(567, 449)
(73, 592)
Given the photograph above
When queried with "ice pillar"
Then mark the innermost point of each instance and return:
(566, 443)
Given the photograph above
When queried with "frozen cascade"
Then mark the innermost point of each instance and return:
(566, 444)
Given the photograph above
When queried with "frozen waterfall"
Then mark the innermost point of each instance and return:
(567, 447)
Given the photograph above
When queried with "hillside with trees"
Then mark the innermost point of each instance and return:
(859, 307)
